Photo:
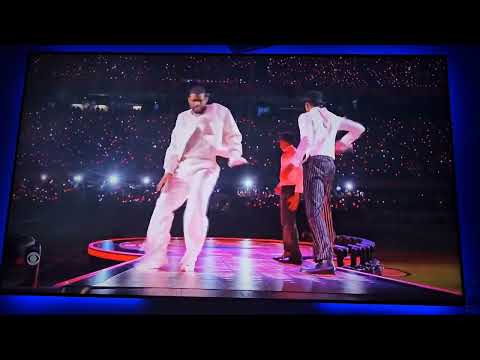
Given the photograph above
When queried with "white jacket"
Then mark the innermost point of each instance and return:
(318, 130)
(227, 137)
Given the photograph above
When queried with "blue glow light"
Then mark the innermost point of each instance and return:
(386, 309)
(31, 305)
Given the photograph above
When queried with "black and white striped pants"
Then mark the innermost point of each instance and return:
(318, 176)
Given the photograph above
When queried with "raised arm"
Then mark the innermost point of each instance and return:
(354, 129)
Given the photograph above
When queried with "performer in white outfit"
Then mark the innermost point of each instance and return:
(191, 172)
(318, 130)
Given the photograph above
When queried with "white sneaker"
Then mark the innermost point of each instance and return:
(151, 263)
(187, 264)
(187, 267)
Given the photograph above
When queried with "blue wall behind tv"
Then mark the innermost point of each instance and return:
(464, 80)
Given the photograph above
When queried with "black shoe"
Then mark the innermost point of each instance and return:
(288, 260)
(325, 267)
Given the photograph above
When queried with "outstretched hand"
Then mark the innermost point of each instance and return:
(163, 182)
(278, 189)
(237, 162)
(293, 202)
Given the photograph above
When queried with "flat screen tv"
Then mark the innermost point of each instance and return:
(293, 177)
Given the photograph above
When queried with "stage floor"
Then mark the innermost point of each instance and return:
(241, 268)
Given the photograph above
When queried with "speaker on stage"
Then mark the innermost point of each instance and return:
(22, 254)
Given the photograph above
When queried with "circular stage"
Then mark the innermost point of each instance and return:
(131, 248)
(241, 268)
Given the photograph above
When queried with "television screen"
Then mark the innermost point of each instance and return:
(256, 176)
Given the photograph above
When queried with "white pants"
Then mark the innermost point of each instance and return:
(193, 181)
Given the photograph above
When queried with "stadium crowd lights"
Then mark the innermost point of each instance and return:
(349, 186)
(78, 178)
(112, 179)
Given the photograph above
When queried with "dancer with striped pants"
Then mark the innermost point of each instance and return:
(316, 153)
